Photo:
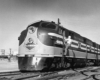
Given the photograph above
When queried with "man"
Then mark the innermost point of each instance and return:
(67, 43)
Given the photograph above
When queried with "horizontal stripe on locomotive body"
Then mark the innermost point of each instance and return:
(81, 50)
(52, 56)
(58, 42)
(74, 42)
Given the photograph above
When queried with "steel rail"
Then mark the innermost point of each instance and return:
(9, 73)
(16, 75)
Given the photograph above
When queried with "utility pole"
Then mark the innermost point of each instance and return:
(9, 56)
(10, 51)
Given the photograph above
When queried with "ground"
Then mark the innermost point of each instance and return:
(6, 65)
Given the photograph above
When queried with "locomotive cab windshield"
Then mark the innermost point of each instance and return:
(48, 25)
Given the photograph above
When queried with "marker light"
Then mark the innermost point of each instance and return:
(31, 29)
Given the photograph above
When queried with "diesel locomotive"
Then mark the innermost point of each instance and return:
(46, 45)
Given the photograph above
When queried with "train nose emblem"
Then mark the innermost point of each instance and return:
(31, 29)
(30, 44)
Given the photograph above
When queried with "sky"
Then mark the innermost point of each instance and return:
(81, 16)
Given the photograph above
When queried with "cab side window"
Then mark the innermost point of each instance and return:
(60, 31)
(79, 44)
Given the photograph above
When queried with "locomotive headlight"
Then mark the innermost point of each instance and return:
(31, 29)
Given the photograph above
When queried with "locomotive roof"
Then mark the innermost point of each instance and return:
(35, 23)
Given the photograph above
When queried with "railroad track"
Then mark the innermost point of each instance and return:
(17, 75)
(53, 75)
(10, 73)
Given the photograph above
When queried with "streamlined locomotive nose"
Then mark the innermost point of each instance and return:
(25, 63)
(31, 63)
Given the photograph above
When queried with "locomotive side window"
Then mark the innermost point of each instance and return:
(48, 25)
(94, 45)
(96, 48)
(79, 45)
(67, 33)
(60, 31)
(78, 37)
(99, 49)
(70, 34)
(89, 44)
(63, 32)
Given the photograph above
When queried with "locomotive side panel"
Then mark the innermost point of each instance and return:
(92, 56)
(77, 54)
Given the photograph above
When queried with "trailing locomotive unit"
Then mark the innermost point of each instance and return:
(46, 45)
